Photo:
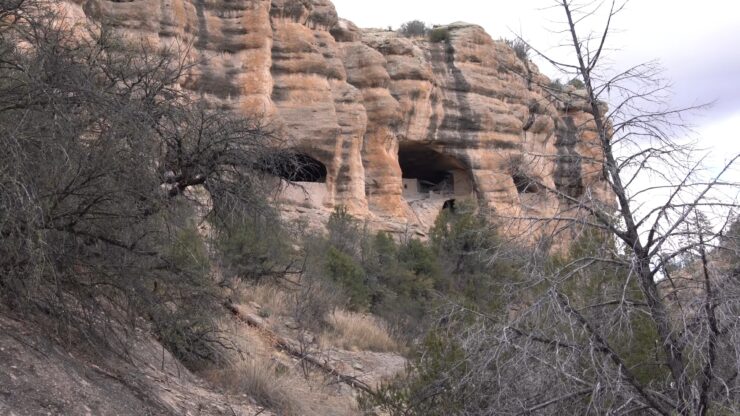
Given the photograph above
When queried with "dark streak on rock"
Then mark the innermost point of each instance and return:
(568, 175)
(202, 36)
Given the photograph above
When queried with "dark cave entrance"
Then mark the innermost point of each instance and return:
(427, 172)
(450, 205)
(524, 185)
(296, 167)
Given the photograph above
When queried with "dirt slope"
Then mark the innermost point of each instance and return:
(40, 377)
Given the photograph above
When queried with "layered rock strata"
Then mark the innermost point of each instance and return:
(400, 125)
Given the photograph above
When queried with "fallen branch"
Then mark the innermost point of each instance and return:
(289, 347)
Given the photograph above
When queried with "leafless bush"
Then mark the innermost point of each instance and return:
(101, 145)
(640, 315)
(520, 48)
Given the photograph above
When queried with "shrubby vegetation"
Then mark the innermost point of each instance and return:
(639, 316)
(103, 155)
(473, 359)
(403, 281)
(520, 48)
(419, 29)
(254, 246)
(125, 203)
(557, 85)
(414, 28)
(439, 34)
(577, 84)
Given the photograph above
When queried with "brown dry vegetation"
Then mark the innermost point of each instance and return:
(356, 331)
(258, 367)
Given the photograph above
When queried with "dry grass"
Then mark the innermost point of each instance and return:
(270, 297)
(272, 379)
(354, 331)
(307, 304)
(261, 381)
(250, 370)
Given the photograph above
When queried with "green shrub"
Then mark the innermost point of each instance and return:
(464, 240)
(254, 247)
(414, 28)
(344, 231)
(385, 248)
(475, 265)
(577, 83)
(422, 390)
(730, 250)
(183, 312)
(419, 258)
(189, 252)
(398, 280)
(595, 284)
(556, 86)
(344, 270)
(439, 34)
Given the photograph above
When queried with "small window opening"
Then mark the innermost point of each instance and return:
(449, 204)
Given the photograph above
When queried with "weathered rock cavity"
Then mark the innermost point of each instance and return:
(465, 114)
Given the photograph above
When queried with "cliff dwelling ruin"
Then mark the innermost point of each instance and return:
(386, 126)
(429, 174)
(432, 181)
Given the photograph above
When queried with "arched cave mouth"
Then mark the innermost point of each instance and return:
(524, 185)
(426, 171)
(296, 167)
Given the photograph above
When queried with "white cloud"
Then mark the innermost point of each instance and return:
(722, 141)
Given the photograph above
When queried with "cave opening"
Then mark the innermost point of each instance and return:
(524, 185)
(450, 205)
(296, 167)
(427, 172)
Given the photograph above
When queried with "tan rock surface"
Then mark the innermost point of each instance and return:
(375, 107)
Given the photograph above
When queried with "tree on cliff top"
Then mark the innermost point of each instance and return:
(616, 325)
(414, 28)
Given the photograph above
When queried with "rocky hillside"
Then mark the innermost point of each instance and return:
(394, 126)
(43, 375)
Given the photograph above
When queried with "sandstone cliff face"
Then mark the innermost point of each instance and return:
(401, 125)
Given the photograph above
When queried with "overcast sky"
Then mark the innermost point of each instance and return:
(698, 42)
